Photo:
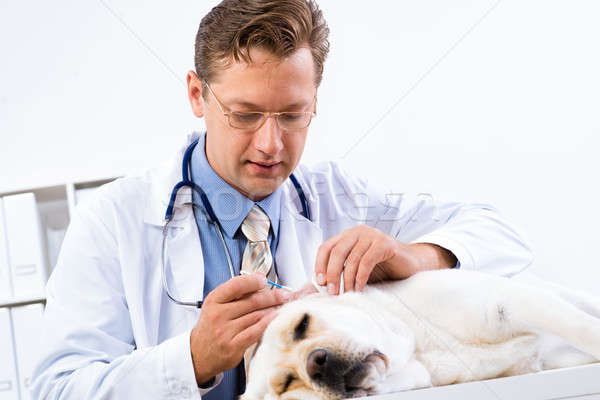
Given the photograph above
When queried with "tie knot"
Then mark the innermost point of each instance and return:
(256, 225)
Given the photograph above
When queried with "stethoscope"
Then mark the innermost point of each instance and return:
(211, 218)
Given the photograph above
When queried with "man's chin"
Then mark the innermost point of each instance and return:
(260, 187)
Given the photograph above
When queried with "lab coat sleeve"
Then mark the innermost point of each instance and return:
(87, 348)
(477, 234)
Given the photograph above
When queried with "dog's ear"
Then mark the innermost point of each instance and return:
(249, 355)
(306, 290)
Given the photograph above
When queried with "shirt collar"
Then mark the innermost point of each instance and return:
(230, 206)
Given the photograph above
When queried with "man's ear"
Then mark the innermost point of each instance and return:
(194, 87)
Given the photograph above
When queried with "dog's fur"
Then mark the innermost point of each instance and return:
(435, 328)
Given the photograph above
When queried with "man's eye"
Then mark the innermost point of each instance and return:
(247, 117)
(291, 117)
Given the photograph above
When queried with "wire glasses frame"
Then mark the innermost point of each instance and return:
(253, 120)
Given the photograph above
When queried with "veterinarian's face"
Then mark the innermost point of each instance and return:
(321, 348)
(256, 162)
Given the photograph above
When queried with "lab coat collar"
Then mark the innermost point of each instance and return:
(299, 240)
(161, 181)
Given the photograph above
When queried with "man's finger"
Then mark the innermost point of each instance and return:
(247, 320)
(238, 287)
(323, 258)
(352, 263)
(367, 263)
(335, 264)
(250, 335)
(257, 301)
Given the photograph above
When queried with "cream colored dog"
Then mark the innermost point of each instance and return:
(435, 328)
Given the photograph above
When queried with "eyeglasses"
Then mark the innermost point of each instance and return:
(288, 121)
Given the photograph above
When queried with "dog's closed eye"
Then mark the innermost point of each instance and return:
(301, 328)
(288, 380)
(284, 381)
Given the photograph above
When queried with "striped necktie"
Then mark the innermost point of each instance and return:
(257, 254)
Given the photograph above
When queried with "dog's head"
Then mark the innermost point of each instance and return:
(328, 347)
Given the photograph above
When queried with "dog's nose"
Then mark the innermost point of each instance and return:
(318, 365)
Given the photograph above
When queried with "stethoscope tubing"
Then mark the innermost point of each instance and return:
(212, 219)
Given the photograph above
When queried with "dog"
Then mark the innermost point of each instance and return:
(434, 328)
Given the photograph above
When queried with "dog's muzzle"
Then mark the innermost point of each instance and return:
(348, 376)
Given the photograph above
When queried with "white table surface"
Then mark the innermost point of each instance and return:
(581, 382)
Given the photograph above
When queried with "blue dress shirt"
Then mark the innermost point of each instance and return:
(231, 208)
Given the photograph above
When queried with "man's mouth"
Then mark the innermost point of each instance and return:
(266, 163)
(264, 166)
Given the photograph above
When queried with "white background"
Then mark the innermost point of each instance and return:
(481, 101)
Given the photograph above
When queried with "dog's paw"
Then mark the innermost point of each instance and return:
(412, 376)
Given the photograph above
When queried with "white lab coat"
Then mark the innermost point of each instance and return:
(109, 329)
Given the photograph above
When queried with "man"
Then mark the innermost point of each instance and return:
(112, 329)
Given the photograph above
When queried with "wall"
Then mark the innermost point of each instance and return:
(487, 101)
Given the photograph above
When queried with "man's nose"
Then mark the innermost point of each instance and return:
(267, 138)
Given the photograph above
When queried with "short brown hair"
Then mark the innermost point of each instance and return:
(233, 27)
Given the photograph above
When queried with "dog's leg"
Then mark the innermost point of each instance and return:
(456, 362)
(530, 309)
(499, 308)
(582, 300)
(556, 353)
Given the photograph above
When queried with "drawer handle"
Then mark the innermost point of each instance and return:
(5, 385)
(25, 269)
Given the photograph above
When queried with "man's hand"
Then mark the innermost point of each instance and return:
(366, 254)
(233, 317)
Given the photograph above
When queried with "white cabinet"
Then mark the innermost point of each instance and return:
(26, 247)
(6, 292)
(27, 321)
(8, 373)
(33, 223)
